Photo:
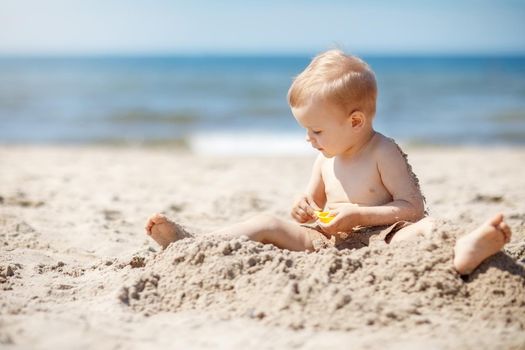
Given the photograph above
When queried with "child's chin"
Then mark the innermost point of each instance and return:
(326, 154)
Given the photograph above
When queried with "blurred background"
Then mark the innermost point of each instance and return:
(212, 76)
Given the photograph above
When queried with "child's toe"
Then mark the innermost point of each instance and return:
(159, 219)
(506, 231)
(149, 224)
(495, 220)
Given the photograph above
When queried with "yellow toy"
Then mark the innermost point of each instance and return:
(324, 216)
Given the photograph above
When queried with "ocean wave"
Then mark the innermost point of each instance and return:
(250, 143)
(145, 115)
(510, 116)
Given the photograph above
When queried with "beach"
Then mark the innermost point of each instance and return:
(78, 271)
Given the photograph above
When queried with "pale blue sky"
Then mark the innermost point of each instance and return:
(267, 27)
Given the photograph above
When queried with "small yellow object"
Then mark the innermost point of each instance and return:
(324, 216)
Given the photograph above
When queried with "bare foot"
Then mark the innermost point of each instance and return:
(163, 230)
(478, 245)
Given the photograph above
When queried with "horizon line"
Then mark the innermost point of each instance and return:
(236, 54)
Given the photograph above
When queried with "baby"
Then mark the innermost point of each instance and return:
(361, 177)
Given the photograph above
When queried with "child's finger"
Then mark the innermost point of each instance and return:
(305, 207)
(302, 213)
(302, 203)
(298, 217)
(309, 211)
(313, 205)
(297, 211)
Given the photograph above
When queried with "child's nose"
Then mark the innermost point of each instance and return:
(308, 137)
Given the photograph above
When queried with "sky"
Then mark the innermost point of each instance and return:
(93, 27)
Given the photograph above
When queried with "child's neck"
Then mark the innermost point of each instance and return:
(361, 143)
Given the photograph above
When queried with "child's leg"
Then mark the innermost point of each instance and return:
(476, 246)
(262, 228)
(421, 228)
(163, 230)
(471, 249)
(270, 229)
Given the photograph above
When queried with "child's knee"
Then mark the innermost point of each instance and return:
(267, 222)
(428, 221)
(426, 225)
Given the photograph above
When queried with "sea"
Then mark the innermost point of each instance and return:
(237, 104)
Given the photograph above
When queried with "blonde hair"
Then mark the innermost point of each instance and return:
(344, 79)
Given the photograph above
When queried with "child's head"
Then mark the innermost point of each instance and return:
(335, 96)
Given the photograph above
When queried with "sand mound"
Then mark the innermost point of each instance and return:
(401, 284)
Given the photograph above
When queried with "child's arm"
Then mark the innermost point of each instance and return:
(397, 177)
(315, 188)
(407, 201)
(314, 198)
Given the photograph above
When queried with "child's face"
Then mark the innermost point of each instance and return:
(328, 127)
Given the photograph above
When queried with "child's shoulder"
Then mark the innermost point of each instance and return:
(381, 143)
(386, 147)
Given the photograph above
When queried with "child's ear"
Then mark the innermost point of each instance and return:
(357, 118)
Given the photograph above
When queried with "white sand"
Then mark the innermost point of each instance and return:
(71, 222)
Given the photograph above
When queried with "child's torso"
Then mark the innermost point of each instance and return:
(356, 181)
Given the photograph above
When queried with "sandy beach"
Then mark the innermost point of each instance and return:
(77, 270)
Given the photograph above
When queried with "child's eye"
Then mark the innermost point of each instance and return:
(316, 132)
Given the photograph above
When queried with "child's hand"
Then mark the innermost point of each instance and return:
(304, 210)
(345, 218)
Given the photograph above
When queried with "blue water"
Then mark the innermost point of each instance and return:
(443, 100)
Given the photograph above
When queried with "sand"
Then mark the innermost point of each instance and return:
(76, 269)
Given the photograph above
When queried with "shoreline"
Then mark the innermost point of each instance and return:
(183, 147)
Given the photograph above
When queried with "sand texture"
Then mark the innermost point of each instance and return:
(77, 270)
